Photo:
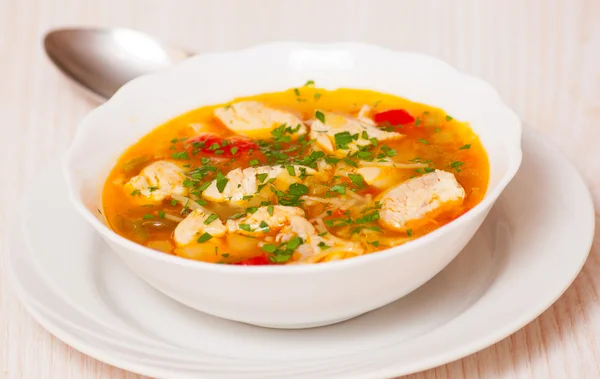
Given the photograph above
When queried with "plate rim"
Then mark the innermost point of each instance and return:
(494, 336)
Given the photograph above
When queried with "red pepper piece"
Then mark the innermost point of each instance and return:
(394, 117)
(338, 213)
(259, 260)
(212, 144)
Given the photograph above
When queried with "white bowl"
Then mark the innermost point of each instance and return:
(305, 295)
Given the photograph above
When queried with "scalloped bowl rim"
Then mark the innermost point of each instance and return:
(129, 88)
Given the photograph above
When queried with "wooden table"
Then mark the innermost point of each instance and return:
(543, 56)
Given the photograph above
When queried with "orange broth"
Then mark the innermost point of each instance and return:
(433, 138)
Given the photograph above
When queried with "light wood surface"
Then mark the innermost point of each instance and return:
(542, 56)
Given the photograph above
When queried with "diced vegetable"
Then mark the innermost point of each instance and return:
(394, 117)
(208, 251)
(212, 144)
(242, 244)
(255, 261)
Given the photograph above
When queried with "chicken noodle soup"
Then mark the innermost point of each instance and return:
(301, 176)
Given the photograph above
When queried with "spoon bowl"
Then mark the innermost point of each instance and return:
(103, 60)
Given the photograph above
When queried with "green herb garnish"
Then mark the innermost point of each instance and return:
(204, 237)
(245, 227)
(320, 116)
(456, 164)
(183, 155)
(357, 180)
(221, 181)
(210, 219)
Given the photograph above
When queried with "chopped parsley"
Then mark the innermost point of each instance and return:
(357, 180)
(369, 217)
(320, 116)
(236, 216)
(350, 162)
(210, 219)
(283, 252)
(409, 232)
(245, 227)
(183, 155)
(448, 118)
(388, 151)
(456, 165)
(204, 237)
(297, 189)
(465, 147)
(203, 186)
(261, 177)
(264, 227)
(424, 170)
(342, 140)
(221, 181)
(269, 248)
(323, 245)
(424, 141)
(148, 216)
(339, 188)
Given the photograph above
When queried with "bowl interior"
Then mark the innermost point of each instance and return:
(149, 101)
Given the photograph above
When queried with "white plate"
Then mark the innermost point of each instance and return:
(528, 251)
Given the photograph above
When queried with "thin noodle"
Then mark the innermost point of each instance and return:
(321, 225)
(393, 165)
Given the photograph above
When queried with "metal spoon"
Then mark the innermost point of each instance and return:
(103, 60)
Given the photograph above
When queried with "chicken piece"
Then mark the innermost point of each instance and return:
(317, 248)
(364, 115)
(157, 181)
(256, 120)
(195, 225)
(380, 177)
(413, 200)
(245, 182)
(324, 133)
(263, 221)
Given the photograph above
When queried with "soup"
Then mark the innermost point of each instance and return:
(305, 175)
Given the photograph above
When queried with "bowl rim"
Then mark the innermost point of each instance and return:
(489, 199)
